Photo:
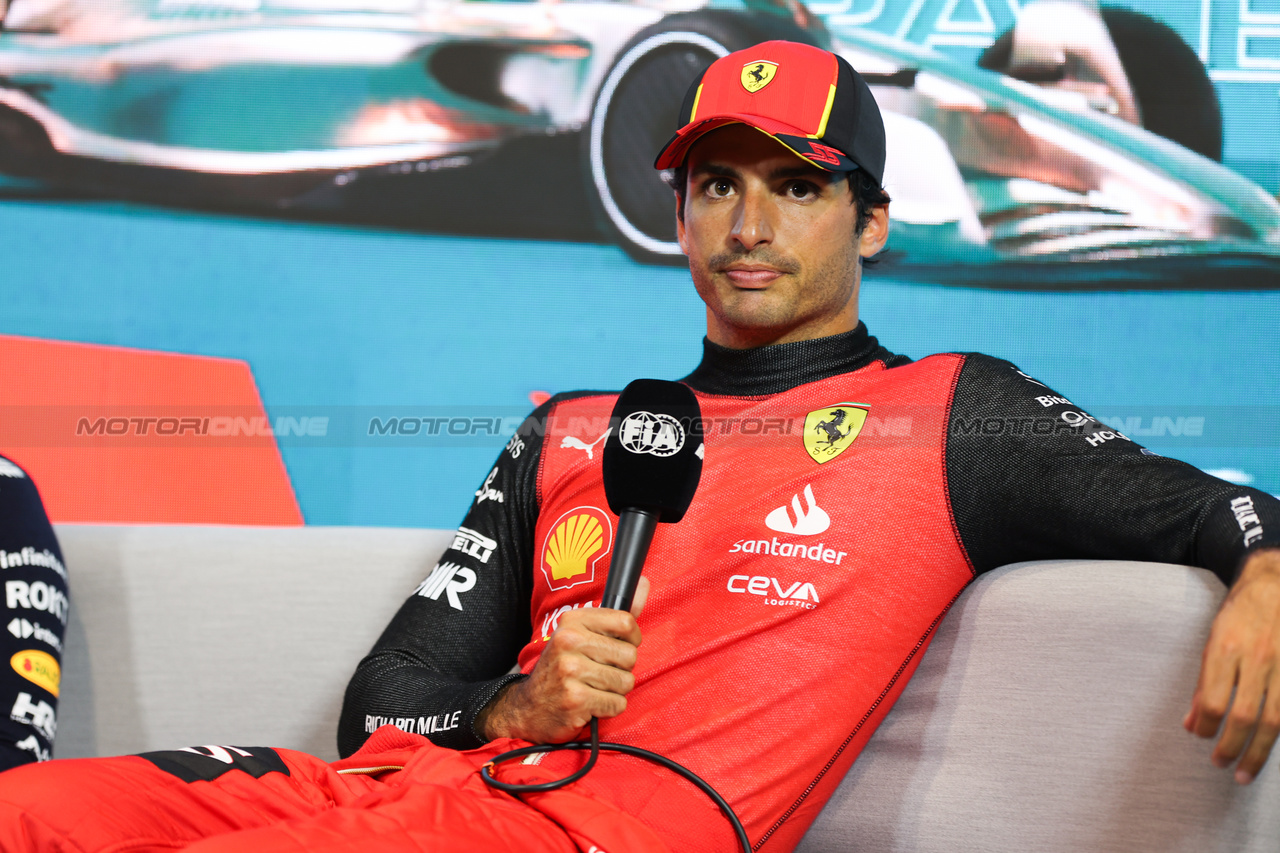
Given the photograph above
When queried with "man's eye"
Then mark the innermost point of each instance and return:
(800, 189)
(720, 187)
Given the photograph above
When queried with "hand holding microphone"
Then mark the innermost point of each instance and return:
(652, 464)
(584, 672)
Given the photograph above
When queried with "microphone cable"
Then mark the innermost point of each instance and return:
(596, 746)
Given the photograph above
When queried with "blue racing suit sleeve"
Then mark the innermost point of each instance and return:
(33, 622)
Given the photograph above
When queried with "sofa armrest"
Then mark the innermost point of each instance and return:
(1047, 716)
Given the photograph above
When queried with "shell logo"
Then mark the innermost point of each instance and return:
(578, 541)
(40, 668)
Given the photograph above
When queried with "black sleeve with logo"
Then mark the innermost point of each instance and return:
(32, 624)
(1032, 476)
(450, 648)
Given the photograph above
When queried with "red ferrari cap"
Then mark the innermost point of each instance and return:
(809, 99)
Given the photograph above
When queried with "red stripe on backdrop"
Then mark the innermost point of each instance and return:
(115, 435)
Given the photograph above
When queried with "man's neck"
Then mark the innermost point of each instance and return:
(756, 371)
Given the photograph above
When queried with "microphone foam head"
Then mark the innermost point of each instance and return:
(653, 458)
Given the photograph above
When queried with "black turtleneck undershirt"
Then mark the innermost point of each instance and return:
(778, 368)
(1025, 482)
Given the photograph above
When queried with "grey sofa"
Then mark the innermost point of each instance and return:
(1045, 716)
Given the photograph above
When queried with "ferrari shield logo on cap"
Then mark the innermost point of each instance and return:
(829, 432)
(757, 75)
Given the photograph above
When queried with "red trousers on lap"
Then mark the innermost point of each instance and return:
(399, 793)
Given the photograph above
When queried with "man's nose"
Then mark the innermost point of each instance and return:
(754, 225)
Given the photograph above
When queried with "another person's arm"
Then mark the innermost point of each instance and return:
(1033, 476)
(33, 621)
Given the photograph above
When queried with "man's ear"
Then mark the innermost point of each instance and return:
(681, 237)
(876, 232)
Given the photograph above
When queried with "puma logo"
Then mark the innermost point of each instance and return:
(578, 444)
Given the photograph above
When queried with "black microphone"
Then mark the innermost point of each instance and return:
(652, 464)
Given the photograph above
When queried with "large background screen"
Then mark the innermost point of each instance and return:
(312, 261)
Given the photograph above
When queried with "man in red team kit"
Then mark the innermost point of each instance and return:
(777, 633)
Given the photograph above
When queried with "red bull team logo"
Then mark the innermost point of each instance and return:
(578, 541)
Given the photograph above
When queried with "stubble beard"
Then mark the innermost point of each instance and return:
(826, 291)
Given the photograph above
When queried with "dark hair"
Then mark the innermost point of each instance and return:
(866, 192)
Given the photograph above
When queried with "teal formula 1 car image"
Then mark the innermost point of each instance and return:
(1032, 171)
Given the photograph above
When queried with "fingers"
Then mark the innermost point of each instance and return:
(574, 665)
(608, 623)
(584, 671)
(1243, 653)
(1240, 657)
(1213, 693)
(590, 689)
(1213, 704)
(575, 638)
(1263, 739)
(1254, 718)
(1241, 720)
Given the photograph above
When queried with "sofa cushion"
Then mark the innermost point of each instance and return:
(184, 635)
(1047, 716)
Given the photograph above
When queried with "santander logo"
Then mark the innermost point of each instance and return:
(809, 521)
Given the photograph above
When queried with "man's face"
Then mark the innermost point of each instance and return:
(771, 241)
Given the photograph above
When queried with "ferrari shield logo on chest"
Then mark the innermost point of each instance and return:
(757, 75)
(829, 432)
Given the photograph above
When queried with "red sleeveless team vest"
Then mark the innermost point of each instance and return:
(791, 605)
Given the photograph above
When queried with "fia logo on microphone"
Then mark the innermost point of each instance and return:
(655, 434)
